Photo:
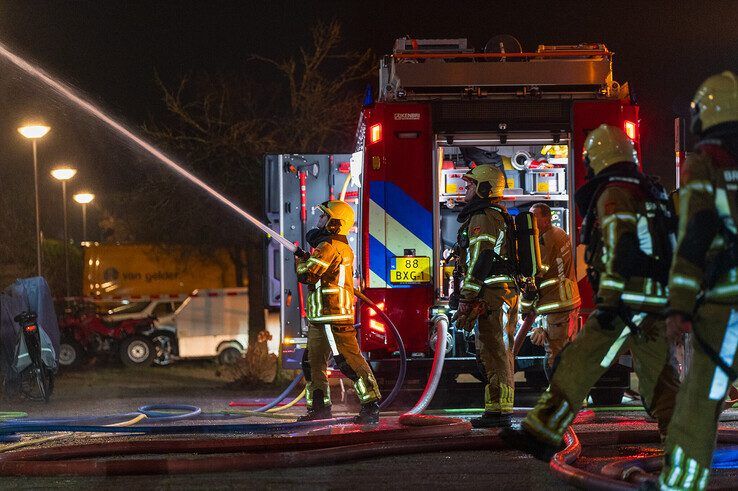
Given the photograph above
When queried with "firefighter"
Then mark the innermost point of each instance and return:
(703, 288)
(629, 274)
(558, 292)
(328, 272)
(488, 294)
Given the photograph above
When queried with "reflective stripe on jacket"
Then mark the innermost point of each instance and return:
(623, 209)
(708, 192)
(558, 289)
(329, 273)
(486, 230)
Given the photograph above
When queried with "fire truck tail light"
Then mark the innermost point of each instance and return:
(375, 325)
(375, 133)
(372, 313)
(630, 129)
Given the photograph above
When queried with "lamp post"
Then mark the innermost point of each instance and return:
(34, 132)
(64, 174)
(83, 199)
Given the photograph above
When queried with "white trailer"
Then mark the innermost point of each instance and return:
(213, 323)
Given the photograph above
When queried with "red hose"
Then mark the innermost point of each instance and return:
(644, 467)
(240, 454)
(523, 332)
(561, 466)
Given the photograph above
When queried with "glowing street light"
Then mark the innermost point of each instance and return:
(83, 199)
(63, 174)
(34, 132)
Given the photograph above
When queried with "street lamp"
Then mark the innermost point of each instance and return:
(34, 132)
(83, 199)
(64, 174)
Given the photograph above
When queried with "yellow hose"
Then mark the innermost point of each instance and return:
(289, 404)
(271, 413)
(17, 445)
(130, 422)
(342, 197)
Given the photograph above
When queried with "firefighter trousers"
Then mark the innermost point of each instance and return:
(561, 329)
(339, 341)
(584, 361)
(692, 432)
(494, 344)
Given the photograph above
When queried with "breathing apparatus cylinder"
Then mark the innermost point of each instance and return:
(529, 250)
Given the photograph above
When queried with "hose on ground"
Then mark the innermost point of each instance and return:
(281, 396)
(170, 430)
(153, 411)
(166, 456)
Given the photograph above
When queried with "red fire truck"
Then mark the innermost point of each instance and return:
(442, 107)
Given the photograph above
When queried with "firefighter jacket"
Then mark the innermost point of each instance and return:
(705, 257)
(557, 286)
(626, 217)
(328, 272)
(483, 243)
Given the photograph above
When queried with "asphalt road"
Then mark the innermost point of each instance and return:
(110, 390)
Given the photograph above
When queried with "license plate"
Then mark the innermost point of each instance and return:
(410, 269)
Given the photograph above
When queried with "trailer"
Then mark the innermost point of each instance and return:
(212, 323)
(442, 108)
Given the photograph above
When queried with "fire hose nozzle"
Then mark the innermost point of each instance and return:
(300, 253)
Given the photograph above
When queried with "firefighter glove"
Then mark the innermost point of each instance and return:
(468, 313)
(539, 336)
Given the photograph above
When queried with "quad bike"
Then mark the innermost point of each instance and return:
(88, 334)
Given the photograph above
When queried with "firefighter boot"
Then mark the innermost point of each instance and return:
(492, 420)
(319, 409)
(368, 414)
(525, 442)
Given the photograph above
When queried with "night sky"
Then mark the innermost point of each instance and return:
(112, 50)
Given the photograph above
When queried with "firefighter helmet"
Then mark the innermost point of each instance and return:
(340, 214)
(606, 146)
(489, 179)
(715, 102)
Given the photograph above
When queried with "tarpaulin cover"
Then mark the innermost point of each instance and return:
(27, 294)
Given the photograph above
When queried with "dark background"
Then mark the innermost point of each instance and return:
(112, 51)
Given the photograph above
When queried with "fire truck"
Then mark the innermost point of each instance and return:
(441, 108)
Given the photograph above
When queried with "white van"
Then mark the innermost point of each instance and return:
(212, 323)
(162, 309)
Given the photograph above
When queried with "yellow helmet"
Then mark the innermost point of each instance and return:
(715, 102)
(489, 174)
(341, 216)
(608, 145)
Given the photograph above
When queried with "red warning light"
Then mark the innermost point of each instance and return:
(630, 129)
(375, 133)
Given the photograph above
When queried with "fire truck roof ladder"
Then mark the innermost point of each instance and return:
(435, 69)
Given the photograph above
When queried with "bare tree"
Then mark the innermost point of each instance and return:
(222, 126)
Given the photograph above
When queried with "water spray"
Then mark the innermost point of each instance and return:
(99, 114)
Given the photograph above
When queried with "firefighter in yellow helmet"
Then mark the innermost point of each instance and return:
(558, 293)
(628, 266)
(703, 287)
(487, 293)
(328, 272)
